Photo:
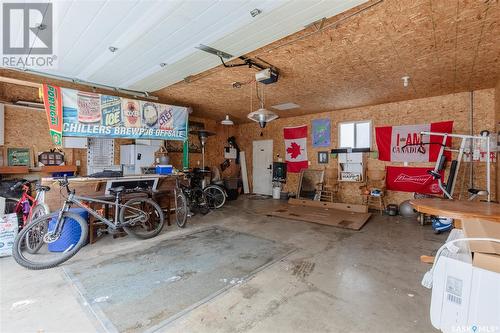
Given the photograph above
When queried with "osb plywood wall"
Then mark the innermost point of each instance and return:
(449, 107)
(214, 149)
(28, 128)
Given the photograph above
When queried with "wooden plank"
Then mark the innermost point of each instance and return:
(333, 205)
(59, 168)
(326, 216)
(20, 82)
(14, 170)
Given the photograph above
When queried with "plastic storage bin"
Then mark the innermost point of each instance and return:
(164, 169)
(71, 231)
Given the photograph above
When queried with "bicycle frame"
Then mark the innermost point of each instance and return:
(80, 202)
(32, 201)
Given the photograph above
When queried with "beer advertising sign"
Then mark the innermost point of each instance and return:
(52, 101)
(412, 179)
(405, 144)
(87, 114)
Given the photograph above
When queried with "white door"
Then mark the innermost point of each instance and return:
(262, 167)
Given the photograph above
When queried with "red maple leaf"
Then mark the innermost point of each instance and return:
(293, 150)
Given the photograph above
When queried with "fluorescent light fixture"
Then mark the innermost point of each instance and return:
(216, 52)
(30, 104)
(286, 106)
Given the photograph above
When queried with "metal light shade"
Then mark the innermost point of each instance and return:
(227, 121)
(262, 116)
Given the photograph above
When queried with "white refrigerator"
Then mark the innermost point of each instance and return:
(133, 157)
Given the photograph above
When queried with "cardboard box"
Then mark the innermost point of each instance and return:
(482, 228)
(490, 262)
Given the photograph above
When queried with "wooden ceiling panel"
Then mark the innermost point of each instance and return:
(445, 46)
(358, 59)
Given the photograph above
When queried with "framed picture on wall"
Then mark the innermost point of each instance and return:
(18, 156)
(322, 157)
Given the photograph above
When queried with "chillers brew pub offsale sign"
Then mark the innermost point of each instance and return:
(83, 114)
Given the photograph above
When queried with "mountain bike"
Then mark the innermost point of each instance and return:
(59, 236)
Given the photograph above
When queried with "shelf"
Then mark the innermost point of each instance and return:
(10, 170)
(58, 168)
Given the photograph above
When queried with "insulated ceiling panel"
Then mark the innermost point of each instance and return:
(149, 33)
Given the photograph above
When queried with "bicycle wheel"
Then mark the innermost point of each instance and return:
(52, 249)
(181, 209)
(34, 237)
(142, 218)
(200, 202)
(215, 196)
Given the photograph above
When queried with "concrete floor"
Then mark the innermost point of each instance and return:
(336, 281)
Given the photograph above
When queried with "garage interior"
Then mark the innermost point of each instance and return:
(307, 166)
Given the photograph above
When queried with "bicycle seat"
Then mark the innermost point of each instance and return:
(477, 191)
(117, 190)
(42, 188)
(434, 174)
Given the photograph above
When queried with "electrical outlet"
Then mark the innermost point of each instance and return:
(78, 163)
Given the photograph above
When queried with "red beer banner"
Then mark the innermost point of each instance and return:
(52, 100)
(412, 179)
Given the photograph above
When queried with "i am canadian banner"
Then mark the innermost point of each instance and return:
(403, 143)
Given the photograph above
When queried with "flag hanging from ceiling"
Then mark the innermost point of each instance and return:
(52, 99)
(295, 148)
(402, 143)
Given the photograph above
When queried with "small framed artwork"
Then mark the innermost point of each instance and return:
(18, 156)
(322, 157)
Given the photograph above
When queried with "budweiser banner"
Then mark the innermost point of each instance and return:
(401, 143)
(412, 179)
(296, 148)
(84, 114)
(52, 101)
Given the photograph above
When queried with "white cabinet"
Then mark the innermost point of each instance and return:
(351, 167)
(134, 157)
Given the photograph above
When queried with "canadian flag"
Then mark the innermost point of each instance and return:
(296, 148)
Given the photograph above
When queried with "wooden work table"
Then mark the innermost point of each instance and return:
(87, 186)
(458, 210)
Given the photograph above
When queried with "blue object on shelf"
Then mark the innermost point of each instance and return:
(71, 232)
(164, 169)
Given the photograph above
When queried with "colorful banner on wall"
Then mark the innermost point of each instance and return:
(412, 179)
(87, 114)
(402, 143)
(296, 148)
(52, 101)
(321, 133)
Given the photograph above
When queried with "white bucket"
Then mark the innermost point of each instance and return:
(276, 192)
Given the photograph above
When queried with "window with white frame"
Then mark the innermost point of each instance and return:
(355, 134)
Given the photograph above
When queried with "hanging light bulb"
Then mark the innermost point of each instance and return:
(227, 121)
(262, 115)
